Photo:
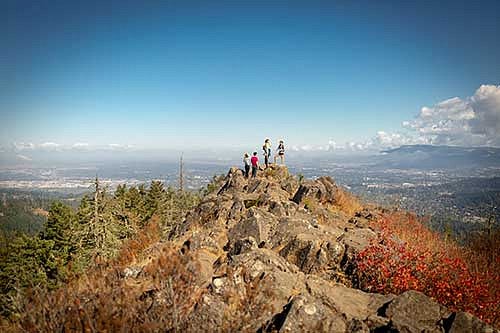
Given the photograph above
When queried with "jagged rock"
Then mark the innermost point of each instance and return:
(357, 239)
(322, 190)
(463, 322)
(258, 224)
(254, 226)
(213, 241)
(290, 185)
(277, 172)
(353, 303)
(311, 254)
(269, 252)
(204, 264)
(361, 219)
(275, 193)
(257, 185)
(272, 280)
(235, 181)
(412, 311)
(306, 314)
(243, 245)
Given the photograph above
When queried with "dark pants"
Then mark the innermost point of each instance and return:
(266, 160)
(254, 171)
(247, 170)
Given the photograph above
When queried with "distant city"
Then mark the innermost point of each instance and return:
(458, 199)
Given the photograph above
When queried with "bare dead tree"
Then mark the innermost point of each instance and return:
(181, 174)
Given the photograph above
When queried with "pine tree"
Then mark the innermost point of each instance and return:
(154, 199)
(59, 227)
(99, 233)
(26, 262)
(123, 214)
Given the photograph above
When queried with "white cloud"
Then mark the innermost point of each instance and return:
(49, 146)
(384, 139)
(20, 146)
(486, 105)
(24, 157)
(117, 146)
(332, 145)
(80, 146)
(473, 121)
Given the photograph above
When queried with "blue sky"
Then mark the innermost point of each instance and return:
(186, 74)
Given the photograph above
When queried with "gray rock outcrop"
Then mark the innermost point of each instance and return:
(257, 241)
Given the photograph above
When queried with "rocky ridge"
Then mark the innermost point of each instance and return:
(287, 248)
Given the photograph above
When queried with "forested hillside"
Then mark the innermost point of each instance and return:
(45, 251)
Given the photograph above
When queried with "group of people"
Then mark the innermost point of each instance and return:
(253, 162)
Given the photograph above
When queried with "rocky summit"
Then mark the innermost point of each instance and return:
(284, 250)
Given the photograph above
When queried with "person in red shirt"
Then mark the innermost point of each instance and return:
(255, 164)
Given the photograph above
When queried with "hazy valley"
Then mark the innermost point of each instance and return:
(415, 178)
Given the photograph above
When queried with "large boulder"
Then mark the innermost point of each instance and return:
(235, 181)
(322, 190)
(414, 312)
(258, 225)
(313, 254)
(276, 172)
(357, 239)
(463, 322)
(355, 305)
(290, 185)
(307, 314)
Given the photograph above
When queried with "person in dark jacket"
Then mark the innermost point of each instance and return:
(281, 152)
(267, 152)
(246, 162)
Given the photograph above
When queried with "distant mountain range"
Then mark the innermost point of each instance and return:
(439, 157)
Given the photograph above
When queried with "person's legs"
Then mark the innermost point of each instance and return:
(247, 170)
(254, 171)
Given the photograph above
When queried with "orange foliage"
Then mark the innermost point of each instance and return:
(407, 255)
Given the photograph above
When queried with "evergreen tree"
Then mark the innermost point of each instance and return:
(99, 234)
(60, 227)
(154, 199)
(26, 262)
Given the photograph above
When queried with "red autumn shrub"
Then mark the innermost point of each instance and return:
(408, 256)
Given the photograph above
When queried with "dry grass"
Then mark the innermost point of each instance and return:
(347, 203)
(161, 297)
(246, 304)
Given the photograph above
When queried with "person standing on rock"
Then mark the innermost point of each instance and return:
(267, 152)
(246, 162)
(281, 152)
(255, 164)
